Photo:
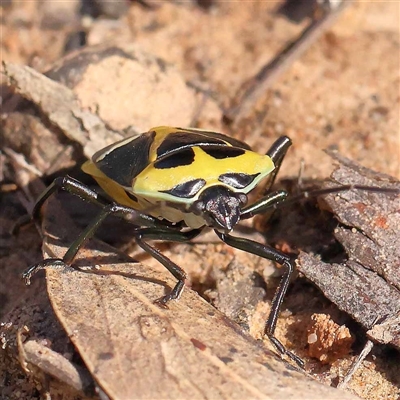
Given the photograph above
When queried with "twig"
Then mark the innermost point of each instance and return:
(260, 83)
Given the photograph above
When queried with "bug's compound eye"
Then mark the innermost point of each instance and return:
(220, 207)
(198, 207)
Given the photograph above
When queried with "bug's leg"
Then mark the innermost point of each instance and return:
(269, 201)
(82, 191)
(67, 184)
(271, 254)
(135, 217)
(277, 153)
(48, 263)
(72, 186)
(155, 234)
(73, 249)
(277, 199)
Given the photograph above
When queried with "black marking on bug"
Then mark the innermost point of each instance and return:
(237, 180)
(180, 140)
(184, 157)
(223, 152)
(186, 190)
(227, 139)
(123, 163)
(176, 142)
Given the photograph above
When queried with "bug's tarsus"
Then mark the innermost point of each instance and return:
(48, 263)
(276, 304)
(173, 295)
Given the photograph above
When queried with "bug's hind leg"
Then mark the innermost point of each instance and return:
(281, 258)
(131, 215)
(74, 247)
(67, 184)
(72, 186)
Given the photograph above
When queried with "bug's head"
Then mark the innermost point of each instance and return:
(220, 207)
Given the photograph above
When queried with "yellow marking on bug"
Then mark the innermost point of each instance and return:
(152, 181)
(161, 133)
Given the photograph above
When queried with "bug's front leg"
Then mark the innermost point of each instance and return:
(268, 202)
(277, 152)
(271, 254)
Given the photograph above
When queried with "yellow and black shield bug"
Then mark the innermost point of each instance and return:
(172, 182)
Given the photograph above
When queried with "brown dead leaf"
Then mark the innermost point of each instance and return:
(134, 348)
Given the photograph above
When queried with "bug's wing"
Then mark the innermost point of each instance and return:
(124, 160)
(113, 189)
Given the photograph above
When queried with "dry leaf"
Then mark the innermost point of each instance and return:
(133, 348)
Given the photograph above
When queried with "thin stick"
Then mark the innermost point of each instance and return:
(260, 83)
(365, 351)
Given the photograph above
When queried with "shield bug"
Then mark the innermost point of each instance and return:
(170, 183)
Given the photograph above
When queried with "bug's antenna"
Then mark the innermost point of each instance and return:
(337, 189)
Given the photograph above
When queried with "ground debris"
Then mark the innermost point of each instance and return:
(328, 341)
(239, 289)
(36, 355)
(329, 96)
(366, 285)
(130, 345)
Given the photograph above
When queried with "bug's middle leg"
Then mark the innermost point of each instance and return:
(172, 236)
